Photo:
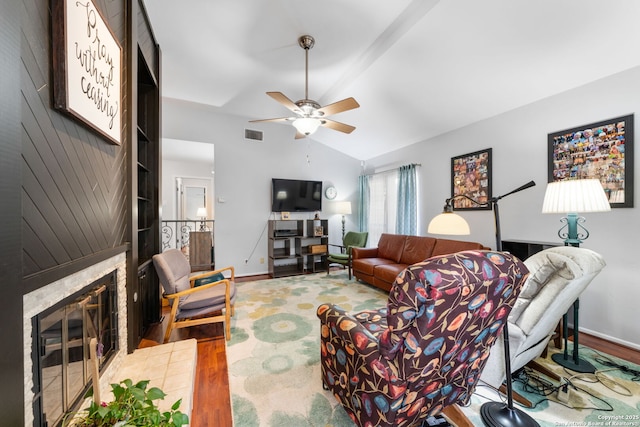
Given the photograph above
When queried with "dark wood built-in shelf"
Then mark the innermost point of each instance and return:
(143, 289)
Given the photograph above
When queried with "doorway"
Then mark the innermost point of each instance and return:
(187, 195)
(193, 195)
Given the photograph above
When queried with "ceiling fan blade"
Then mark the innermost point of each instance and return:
(282, 99)
(332, 124)
(340, 106)
(281, 119)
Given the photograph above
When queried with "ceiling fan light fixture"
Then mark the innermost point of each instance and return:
(309, 114)
(306, 125)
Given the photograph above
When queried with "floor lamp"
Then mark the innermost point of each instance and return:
(343, 208)
(571, 196)
(492, 413)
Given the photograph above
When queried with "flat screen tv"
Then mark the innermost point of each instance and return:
(295, 195)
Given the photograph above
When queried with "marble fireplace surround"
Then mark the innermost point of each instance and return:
(41, 299)
(172, 366)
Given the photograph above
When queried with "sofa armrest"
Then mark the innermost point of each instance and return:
(364, 252)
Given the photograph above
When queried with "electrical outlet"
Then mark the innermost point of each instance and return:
(261, 260)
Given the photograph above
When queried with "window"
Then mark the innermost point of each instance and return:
(383, 195)
(381, 204)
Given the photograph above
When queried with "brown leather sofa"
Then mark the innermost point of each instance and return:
(395, 252)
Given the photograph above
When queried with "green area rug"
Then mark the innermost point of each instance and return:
(274, 362)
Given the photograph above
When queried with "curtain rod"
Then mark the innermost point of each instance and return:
(392, 169)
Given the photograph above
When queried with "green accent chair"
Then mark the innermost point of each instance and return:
(352, 239)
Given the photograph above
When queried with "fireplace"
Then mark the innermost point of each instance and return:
(60, 321)
(61, 354)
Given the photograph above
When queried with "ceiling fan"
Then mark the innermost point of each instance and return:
(309, 114)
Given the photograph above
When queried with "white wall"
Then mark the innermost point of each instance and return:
(519, 142)
(243, 172)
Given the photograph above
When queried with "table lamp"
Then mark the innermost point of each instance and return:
(448, 222)
(202, 213)
(343, 208)
(571, 197)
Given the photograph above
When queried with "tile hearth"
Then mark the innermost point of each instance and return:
(170, 367)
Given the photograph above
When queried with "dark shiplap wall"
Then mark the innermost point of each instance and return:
(74, 181)
(11, 356)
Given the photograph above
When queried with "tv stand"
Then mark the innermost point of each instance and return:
(298, 246)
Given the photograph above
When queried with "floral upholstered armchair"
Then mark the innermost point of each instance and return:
(425, 351)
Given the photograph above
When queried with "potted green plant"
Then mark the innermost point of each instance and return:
(132, 406)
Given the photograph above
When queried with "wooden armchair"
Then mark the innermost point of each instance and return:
(195, 300)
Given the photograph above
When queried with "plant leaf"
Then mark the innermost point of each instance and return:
(138, 394)
(155, 393)
(180, 419)
(141, 384)
(176, 405)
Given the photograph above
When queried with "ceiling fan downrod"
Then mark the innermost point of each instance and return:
(306, 42)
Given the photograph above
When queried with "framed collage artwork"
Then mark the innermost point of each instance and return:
(471, 177)
(601, 150)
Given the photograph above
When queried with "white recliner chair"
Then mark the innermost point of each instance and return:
(557, 277)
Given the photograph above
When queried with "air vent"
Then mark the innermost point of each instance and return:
(255, 135)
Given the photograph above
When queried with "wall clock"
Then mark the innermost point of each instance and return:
(331, 192)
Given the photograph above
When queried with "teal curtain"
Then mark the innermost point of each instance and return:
(363, 202)
(407, 212)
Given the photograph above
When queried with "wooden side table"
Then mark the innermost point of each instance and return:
(200, 244)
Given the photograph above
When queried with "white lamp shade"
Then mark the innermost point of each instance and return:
(202, 212)
(306, 125)
(343, 208)
(575, 195)
(449, 223)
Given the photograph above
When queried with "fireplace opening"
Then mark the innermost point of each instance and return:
(61, 348)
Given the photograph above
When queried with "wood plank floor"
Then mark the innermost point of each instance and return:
(212, 401)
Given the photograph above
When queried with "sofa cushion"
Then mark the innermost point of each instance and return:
(446, 247)
(214, 296)
(390, 246)
(366, 265)
(206, 301)
(388, 272)
(417, 249)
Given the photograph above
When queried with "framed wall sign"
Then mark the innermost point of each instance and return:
(471, 176)
(602, 150)
(87, 67)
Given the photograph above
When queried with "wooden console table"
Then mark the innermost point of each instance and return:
(200, 244)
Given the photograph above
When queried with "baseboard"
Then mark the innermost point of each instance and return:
(610, 339)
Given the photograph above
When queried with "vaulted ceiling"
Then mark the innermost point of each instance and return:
(418, 68)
